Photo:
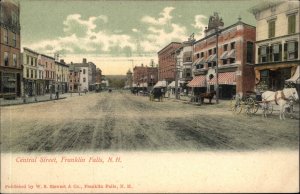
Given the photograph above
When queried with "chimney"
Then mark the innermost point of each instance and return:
(84, 60)
(62, 61)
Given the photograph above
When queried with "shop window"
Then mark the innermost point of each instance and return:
(250, 53)
(292, 24)
(271, 28)
(6, 59)
(15, 61)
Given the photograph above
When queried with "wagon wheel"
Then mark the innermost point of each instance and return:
(237, 107)
(251, 107)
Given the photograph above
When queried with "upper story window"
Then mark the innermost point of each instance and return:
(225, 47)
(5, 36)
(250, 53)
(271, 28)
(292, 24)
(83, 71)
(6, 60)
(232, 45)
(31, 61)
(202, 54)
(215, 50)
(84, 79)
(291, 50)
(14, 40)
(15, 61)
(27, 59)
(276, 52)
(209, 52)
(262, 54)
(198, 55)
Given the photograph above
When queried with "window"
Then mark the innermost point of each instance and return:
(198, 55)
(291, 50)
(46, 64)
(27, 59)
(31, 61)
(231, 60)
(6, 61)
(83, 71)
(27, 72)
(275, 52)
(225, 47)
(262, 54)
(215, 51)
(15, 61)
(31, 74)
(209, 52)
(250, 56)
(5, 36)
(232, 45)
(14, 40)
(209, 64)
(292, 24)
(35, 72)
(224, 61)
(271, 28)
(202, 54)
(84, 79)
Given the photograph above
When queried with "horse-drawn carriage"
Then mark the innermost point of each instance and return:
(199, 99)
(252, 102)
(156, 93)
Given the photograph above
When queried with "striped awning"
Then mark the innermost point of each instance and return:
(199, 61)
(227, 78)
(197, 82)
(224, 55)
(231, 54)
(211, 58)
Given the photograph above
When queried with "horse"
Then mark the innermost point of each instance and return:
(208, 95)
(281, 98)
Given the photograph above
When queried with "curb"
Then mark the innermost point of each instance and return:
(13, 104)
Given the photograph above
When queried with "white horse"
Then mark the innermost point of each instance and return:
(280, 98)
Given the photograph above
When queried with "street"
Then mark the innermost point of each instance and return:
(120, 121)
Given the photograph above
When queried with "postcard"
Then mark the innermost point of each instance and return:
(149, 96)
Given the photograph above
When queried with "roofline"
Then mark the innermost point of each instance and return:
(168, 45)
(28, 49)
(62, 63)
(224, 29)
(48, 56)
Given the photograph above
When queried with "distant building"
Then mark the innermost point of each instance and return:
(166, 62)
(30, 71)
(74, 78)
(277, 43)
(98, 75)
(62, 76)
(88, 78)
(49, 72)
(235, 59)
(144, 76)
(10, 57)
(129, 79)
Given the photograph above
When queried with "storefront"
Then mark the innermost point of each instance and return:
(227, 84)
(273, 77)
(10, 86)
(198, 84)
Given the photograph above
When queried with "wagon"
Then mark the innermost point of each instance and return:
(250, 103)
(156, 93)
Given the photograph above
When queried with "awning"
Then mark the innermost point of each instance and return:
(211, 58)
(160, 84)
(172, 84)
(231, 54)
(199, 61)
(227, 78)
(197, 82)
(224, 55)
(295, 78)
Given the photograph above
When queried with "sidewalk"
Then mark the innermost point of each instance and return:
(43, 98)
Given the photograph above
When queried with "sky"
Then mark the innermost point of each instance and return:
(117, 35)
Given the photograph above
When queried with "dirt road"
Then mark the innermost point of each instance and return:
(121, 121)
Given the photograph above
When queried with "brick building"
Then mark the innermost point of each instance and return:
(277, 43)
(74, 78)
(235, 59)
(144, 76)
(167, 62)
(10, 57)
(49, 72)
